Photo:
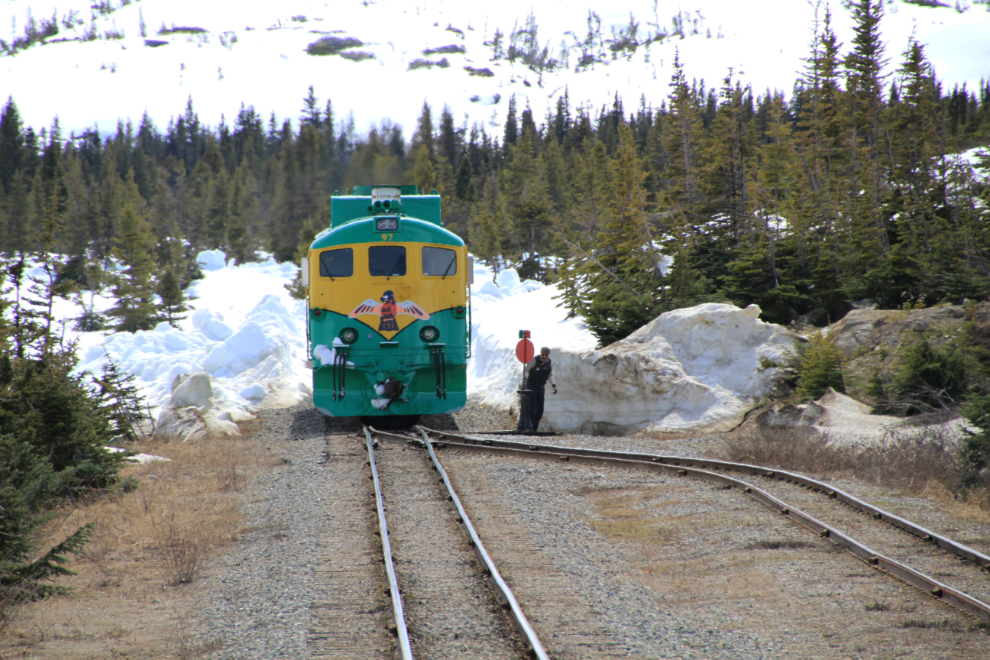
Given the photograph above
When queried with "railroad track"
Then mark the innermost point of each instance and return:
(943, 556)
(408, 504)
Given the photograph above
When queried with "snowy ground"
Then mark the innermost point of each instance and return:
(242, 348)
(247, 334)
(256, 55)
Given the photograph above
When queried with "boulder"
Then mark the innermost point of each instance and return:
(192, 390)
(183, 424)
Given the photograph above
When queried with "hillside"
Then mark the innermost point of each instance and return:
(381, 59)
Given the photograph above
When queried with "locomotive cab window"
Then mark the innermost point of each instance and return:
(439, 261)
(387, 260)
(337, 263)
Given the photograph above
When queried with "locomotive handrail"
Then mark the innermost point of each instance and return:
(470, 326)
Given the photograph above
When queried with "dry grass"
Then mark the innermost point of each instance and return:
(627, 513)
(136, 587)
(921, 462)
(910, 460)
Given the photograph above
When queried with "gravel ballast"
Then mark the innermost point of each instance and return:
(606, 562)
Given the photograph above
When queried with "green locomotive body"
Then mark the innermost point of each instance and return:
(389, 328)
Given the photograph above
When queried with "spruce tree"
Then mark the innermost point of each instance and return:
(170, 284)
(868, 241)
(135, 308)
(821, 368)
(424, 176)
(238, 239)
(527, 207)
(489, 230)
(311, 112)
(17, 213)
(423, 137)
(218, 215)
(11, 143)
(630, 282)
(819, 186)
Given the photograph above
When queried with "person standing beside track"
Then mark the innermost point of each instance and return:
(538, 372)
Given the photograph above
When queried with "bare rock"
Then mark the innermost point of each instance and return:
(192, 390)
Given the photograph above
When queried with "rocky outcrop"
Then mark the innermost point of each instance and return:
(190, 414)
(874, 339)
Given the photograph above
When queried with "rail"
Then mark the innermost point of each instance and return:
(688, 467)
(502, 590)
(400, 630)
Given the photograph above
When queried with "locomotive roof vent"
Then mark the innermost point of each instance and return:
(386, 199)
(384, 194)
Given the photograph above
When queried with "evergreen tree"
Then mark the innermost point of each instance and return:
(511, 132)
(424, 175)
(135, 308)
(170, 284)
(218, 216)
(423, 137)
(819, 186)
(238, 239)
(11, 144)
(17, 216)
(311, 112)
(489, 231)
(449, 143)
(821, 368)
(527, 206)
(868, 241)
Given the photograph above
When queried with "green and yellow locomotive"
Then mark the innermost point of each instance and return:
(389, 326)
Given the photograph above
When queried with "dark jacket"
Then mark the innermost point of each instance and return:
(539, 371)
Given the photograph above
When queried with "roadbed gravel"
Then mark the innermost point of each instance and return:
(605, 561)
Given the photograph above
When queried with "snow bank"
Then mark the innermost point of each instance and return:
(696, 368)
(243, 347)
(222, 367)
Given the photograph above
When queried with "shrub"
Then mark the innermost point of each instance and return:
(482, 73)
(332, 45)
(358, 55)
(820, 369)
(929, 378)
(452, 49)
(180, 30)
(54, 426)
(976, 445)
(909, 459)
(428, 64)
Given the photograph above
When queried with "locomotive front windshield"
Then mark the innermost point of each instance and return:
(337, 263)
(387, 261)
(439, 262)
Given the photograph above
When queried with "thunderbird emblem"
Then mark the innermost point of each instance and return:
(388, 309)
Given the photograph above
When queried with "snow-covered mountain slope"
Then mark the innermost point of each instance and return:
(117, 59)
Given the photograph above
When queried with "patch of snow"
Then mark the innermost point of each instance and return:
(257, 56)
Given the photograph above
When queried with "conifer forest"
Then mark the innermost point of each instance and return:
(848, 189)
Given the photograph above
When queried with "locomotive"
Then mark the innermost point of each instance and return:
(388, 314)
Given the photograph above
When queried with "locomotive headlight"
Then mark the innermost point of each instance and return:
(348, 335)
(429, 334)
(386, 224)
